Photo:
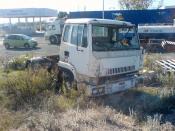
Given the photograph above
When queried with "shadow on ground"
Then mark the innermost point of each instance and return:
(24, 49)
(141, 104)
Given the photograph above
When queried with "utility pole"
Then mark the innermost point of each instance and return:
(103, 13)
(160, 4)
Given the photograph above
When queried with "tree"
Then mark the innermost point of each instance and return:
(62, 15)
(135, 4)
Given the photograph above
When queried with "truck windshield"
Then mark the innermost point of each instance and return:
(112, 38)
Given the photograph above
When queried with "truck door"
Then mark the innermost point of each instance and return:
(78, 49)
(64, 47)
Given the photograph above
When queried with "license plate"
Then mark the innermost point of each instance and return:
(121, 85)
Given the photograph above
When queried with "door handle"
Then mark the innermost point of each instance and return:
(66, 53)
(81, 50)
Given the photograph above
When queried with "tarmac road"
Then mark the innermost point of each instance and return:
(43, 49)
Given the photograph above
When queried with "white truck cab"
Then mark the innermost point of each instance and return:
(54, 30)
(105, 55)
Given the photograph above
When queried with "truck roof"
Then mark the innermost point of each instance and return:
(99, 21)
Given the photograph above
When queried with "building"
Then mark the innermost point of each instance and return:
(25, 13)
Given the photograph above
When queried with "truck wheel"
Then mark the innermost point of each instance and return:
(59, 39)
(53, 39)
(7, 46)
(68, 78)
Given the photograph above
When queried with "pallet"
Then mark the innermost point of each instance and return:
(168, 65)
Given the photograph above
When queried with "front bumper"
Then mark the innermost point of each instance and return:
(112, 87)
(34, 44)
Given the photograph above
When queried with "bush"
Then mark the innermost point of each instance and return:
(36, 89)
(149, 61)
(15, 63)
(60, 103)
(18, 63)
(27, 87)
(167, 79)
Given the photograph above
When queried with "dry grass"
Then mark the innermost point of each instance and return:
(26, 88)
(90, 119)
(101, 118)
(11, 120)
(149, 61)
(28, 102)
(154, 124)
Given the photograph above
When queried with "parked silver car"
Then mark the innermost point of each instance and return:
(19, 40)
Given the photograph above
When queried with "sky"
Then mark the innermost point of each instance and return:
(66, 5)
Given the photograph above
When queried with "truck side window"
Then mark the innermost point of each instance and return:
(53, 27)
(79, 35)
(84, 40)
(66, 33)
(74, 37)
(49, 27)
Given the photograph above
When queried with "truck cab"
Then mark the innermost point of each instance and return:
(54, 30)
(104, 55)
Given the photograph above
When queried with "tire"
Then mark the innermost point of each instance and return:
(7, 46)
(68, 78)
(26, 45)
(59, 39)
(53, 39)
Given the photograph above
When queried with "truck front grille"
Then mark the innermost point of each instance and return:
(114, 71)
(102, 80)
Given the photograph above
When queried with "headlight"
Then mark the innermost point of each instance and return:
(98, 91)
(93, 80)
(34, 42)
